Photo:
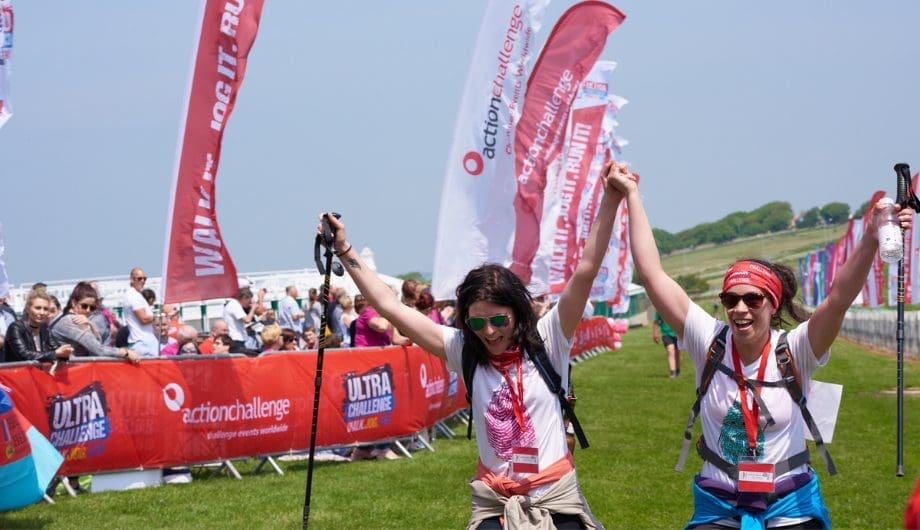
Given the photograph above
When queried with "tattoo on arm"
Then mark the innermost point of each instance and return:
(353, 263)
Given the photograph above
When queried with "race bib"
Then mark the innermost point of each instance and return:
(525, 460)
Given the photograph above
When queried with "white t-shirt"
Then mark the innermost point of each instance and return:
(721, 416)
(497, 430)
(233, 316)
(141, 337)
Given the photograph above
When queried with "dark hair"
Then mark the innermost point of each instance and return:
(150, 295)
(288, 334)
(787, 301)
(408, 288)
(244, 292)
(498, 285)
(425, 302)
(80, 291)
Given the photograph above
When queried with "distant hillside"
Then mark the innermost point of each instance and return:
(709, 262)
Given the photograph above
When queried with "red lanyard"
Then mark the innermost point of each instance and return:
(502, 363)
(750, 414)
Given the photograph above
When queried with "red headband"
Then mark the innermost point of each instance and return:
(753, 273)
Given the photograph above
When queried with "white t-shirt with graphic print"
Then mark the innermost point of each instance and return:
(721, 416)
(497, 431)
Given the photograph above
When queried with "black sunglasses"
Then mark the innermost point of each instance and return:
(751, 300)
(289, 339)
(140, 279)
(88, 307)
(478, 323)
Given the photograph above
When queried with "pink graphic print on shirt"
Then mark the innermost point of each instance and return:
(502, 428)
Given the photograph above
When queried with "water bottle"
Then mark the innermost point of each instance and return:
(890, 242)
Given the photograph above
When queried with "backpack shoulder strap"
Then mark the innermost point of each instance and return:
(790, 377)
(554, 383)
(468, 364)
(713, 360)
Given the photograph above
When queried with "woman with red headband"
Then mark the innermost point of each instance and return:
(755, 472)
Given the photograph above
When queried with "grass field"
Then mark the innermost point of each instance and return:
(634, 417)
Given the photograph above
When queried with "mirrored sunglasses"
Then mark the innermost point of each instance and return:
(478, 323)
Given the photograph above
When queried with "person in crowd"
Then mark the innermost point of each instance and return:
(139, 317)
(360, 304)
(289, 313)
(526, 472)
(73, 327)
(347, 316)
(185, 342)
(312, 310)
(662, 333)
(218, 327)
(28, 339)
(110, 320)
(740, 437)
(172, 321)
(541, 305)
(271, 338)
(289, 340)
(310, 339)
(425, 304)
(409, 292)
(239, 314)
(150, 296)
(334, 315)
(223, 344)
(54, 309)
(7, 317)
(371, 329)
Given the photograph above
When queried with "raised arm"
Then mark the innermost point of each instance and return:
(666, 295)
(575, 294)
(825, 322)
(410, 322)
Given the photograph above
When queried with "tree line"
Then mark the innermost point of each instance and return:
(774, 216)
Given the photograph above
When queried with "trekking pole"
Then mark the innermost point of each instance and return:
(906, 199)
(323, 240)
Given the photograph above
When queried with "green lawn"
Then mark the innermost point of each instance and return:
(634, 417)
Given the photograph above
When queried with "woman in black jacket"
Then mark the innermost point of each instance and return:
(29, 339)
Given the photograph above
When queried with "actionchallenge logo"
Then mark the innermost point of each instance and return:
(433, 388)
(369, 399)
(256, 408)
(79, 423)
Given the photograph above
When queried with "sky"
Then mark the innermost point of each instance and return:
(350, 106)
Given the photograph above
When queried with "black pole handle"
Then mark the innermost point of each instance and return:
(325, 240)
(906, 197)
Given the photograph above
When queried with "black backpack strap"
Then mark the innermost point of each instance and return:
(468, 365)
(713, 361)
(731, 470)
(790, 377)
(554, 382)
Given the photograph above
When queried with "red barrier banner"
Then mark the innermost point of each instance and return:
(111, 415)
(197, 264)
(592, 333)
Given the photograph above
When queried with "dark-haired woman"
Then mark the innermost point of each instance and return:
(525, 474)
(28, 339)
(73, 327)
(759, 440)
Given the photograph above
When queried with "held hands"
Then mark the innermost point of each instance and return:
(617, 177)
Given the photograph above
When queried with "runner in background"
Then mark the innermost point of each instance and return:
(662, 333)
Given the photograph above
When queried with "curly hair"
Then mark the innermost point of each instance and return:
(498, 285)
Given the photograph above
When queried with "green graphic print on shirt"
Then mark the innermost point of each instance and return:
(733, 440)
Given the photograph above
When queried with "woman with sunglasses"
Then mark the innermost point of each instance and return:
(762, 440)
(28, 339)
(521, 437)
(73, 327)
